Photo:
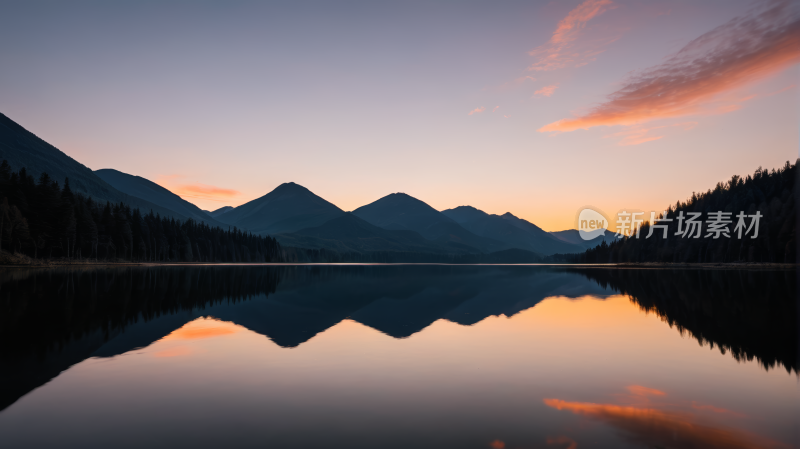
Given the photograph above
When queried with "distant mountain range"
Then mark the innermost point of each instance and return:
(218, 212)
(297, 217)
(399, 211)
(573, 236)
(512, 231)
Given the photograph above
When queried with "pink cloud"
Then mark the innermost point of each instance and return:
(495, 108)
(742, 50)
(477, 110)
(561, 51)
(546, 91)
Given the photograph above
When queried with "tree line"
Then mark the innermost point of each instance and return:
(769, 194)
(41, 219)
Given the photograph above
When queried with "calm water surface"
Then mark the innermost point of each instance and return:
(398, 357)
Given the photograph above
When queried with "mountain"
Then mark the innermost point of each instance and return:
(574, 236)
(150, 191)
(349, 233)
(511, 230)
(218, 212)
(288, 208)
(21, 148)
(464, 214)
(399, 211)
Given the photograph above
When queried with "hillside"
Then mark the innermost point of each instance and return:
(399, 211)
(22, 149)
(218, 212)
(763, 207)
(150, 191)
(349, 233)
(512, 231)
(574, 236)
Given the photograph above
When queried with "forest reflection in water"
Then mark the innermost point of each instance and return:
(53, 319)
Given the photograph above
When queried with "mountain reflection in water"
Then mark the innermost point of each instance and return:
(52, 319)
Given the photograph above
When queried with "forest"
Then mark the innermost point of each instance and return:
(770, 194)
(42, 219)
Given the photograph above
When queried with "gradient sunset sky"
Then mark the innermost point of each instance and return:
(533, 108)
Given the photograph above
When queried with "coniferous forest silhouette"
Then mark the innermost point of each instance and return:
(771, 194)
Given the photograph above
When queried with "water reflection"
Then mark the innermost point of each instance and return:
(750, 313)
(51, 320)
(650, 425)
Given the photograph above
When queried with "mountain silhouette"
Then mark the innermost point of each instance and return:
(574, 236)
(511, 230)
(288, 208)
(21, 148)
(218, 212)
(399, 211)
(349, 233)
(154, 193)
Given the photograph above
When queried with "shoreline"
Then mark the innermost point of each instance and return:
(640, 265)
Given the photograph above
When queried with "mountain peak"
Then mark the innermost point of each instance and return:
(288, 186)
(463, 214)
(287, 208)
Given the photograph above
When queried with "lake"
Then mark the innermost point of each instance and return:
(496, 357)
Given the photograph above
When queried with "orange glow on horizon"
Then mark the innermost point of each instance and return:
(203, 328)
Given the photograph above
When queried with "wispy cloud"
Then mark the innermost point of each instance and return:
(546, 91)
(561, 50)
(495, 108)
(745, 49)
(196, 190)
(638, 390)
(638, 134)
(517, 82)
(477, 110)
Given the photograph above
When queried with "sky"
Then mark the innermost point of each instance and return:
(533, 108)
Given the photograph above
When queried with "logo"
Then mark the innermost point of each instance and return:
(592, 223)
(684, 224)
